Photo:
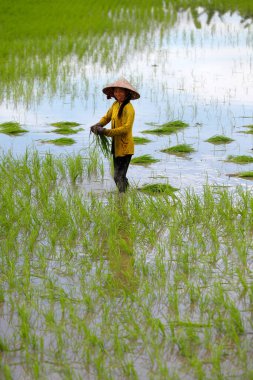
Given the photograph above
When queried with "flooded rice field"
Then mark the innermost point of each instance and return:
(202, 76)
(156, 284)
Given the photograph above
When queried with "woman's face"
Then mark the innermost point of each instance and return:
(120, 94)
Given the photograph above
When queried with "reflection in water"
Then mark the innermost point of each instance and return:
(121, 255)
(41, 50)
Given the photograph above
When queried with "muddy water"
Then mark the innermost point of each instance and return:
(201, 76)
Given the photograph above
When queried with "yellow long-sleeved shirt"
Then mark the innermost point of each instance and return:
(121, 129)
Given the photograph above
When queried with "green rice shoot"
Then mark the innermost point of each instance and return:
(145, 159)
(175, 124)
(65, 124)
(158, 188)
(61, 141)
(67, 131)
(246, 175)
(12, 128)
(219, 139)
(248, 126)
(167, 128)
(239, 159)
(249, 132)
(179, 149)
(103, 143)
(141, 140)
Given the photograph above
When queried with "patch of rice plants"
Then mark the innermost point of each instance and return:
(11, 128)
(65, 124)
(178, 268)
(141, 140)
(158, 188)
(60, 142)
(248, 126)
(239, 159)
(167, 128)
(145, 159)
(219, 139)
(246, 175)
(67, 131)
(179, 149)
(175, 124)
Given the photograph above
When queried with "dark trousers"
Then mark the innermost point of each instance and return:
(120, 169)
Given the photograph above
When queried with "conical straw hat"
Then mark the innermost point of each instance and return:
(122, 83)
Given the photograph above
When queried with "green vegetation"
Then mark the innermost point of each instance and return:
(175, 124)
(158, 188)
(167, 128)
(103, 144)
(250, 126)
(246, 175)
(65, 124)
(239, 159)
(61, 141)
(12, 128)
(219, 139)
(67, 131)
(250, 129)
(41, 47)
(141, 140)
(145, 159)
(66, 127)
(180, 149)
(111, 287)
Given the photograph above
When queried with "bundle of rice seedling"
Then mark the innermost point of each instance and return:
(219, 139)
(60, 142)
(11, 128)
(239, 159)
(167, 128)
(180, 149)
(67, 131)
(144, 160)
(65, 124)
(158, 188)
(103, 143)
(141, 140)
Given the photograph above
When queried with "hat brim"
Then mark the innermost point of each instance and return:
(109, 91)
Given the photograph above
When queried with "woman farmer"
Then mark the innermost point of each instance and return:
(121, 114)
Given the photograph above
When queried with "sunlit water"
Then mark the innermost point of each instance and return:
(201, 76)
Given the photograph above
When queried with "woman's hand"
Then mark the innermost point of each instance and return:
(100, 131)
(94, 128)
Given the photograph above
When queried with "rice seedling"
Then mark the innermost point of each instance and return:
(249, 132)
(12, 128)
(167, 128)
(65, 124)
(239, 159)
(102, 143)
(219, 139)
(94, 164)
(246, 175)
(175, 124)
(60, 142)
(67, 131)
(180, 149)
(249, 126)
(141, 140)
(158, 188)
(145, 159)
(148, 276)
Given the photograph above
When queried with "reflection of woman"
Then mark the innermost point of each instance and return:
(121, 115)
